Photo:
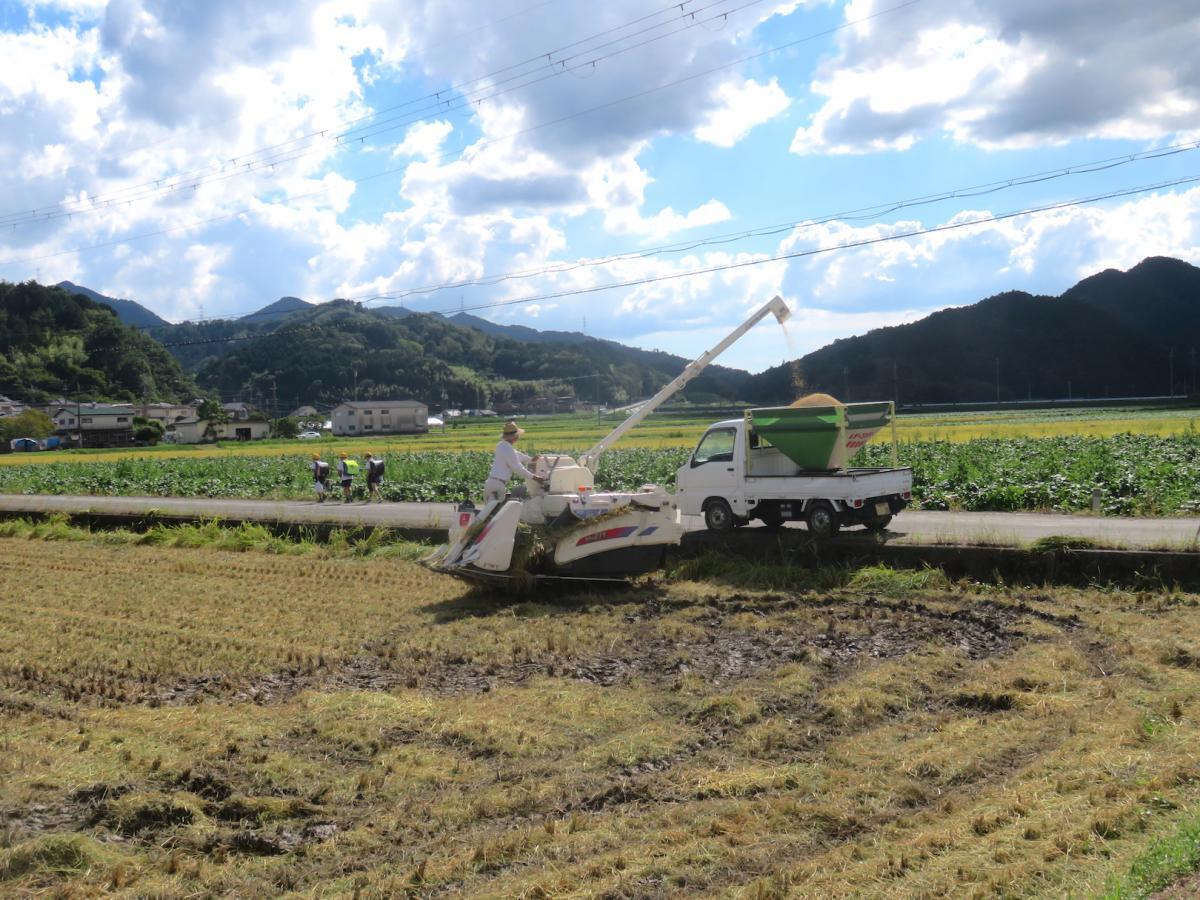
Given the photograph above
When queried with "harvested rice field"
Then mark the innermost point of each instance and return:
(191, 721)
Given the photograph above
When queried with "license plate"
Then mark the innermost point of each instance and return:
(882, 509)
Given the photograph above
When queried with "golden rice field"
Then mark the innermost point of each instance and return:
(670, 430)
(187, 721)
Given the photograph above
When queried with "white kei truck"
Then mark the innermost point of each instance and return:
(786, 464)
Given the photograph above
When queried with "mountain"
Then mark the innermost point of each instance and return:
(519, 332)
(55, 342)
(1111, 335)
(280, 309)
(331, 351)
(1159, 297)
(129, 312)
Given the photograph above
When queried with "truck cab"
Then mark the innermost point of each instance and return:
(735, 475)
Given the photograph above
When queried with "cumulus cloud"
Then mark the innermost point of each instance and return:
(1008, 73)
(1041, 253)
(745, 104)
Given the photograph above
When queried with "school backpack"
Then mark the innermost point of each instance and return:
(351, 467)
(322, 469)
(376, 468)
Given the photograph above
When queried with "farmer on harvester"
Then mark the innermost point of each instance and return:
(507, 462)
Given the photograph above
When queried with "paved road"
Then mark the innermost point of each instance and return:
(910, 527)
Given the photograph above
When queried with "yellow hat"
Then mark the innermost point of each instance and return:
(316, 456)
(510, 428)
(342, 455)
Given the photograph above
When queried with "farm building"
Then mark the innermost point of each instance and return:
(199, 431)
(380, 417)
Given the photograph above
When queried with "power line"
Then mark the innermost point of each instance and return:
(554, 66)
(860, 214)
(918, 232)
(440, 157)
(725, 267)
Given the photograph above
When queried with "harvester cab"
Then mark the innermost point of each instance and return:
(562, 527)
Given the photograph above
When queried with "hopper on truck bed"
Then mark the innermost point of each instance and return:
(820, 438)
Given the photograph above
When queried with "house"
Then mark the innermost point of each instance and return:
(95, 424)
(237, 412)
(380, 417)
(10, 407)
(197, 431)
(306, 413)
(166, 412)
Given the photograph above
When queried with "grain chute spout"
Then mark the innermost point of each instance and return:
(775, 306)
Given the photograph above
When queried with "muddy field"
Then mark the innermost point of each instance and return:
(189, 721)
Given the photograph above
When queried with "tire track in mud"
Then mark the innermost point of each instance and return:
(984, 634)
(723, 656)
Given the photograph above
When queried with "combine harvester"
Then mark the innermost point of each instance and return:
(562, 529)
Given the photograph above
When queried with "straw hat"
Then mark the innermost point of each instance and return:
(510, 428)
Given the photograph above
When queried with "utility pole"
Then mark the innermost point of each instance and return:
(79, 415)
(274, 397)
(997, 379)
(895, 384)
(1193, 370)
(356, 384)
(1171, 383)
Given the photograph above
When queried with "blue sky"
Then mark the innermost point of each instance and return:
(187, 156)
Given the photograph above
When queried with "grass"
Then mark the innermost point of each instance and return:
(1160, 866)
(183, 719)
(668, 430)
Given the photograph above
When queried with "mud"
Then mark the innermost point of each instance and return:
(842, 630)
(92, 810)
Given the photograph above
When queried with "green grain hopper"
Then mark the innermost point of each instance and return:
(821, 438)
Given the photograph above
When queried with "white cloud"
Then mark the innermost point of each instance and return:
(745, 104)
(1008, 73)
(424, 139)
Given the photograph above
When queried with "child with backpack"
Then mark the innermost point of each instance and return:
(320, 470)
(347, 469)
(374, 477)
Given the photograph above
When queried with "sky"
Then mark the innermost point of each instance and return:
(640, 172)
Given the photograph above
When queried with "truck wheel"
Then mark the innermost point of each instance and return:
(822, 520)
(718, 516)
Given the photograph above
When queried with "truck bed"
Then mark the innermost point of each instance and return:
(846, 483)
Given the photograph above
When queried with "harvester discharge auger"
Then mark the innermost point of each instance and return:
(563, 529)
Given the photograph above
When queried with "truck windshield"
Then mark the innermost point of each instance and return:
(716, 446)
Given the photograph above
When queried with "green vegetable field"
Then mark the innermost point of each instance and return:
(1136, 474)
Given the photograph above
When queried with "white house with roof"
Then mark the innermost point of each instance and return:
(367, 417)
(95, 424)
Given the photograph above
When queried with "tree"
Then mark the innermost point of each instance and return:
(211, 409)
(147, 431)
(287, 427)
(33, 423)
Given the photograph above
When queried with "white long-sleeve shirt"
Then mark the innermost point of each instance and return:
(509, 461)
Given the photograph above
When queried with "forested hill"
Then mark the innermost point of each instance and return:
(127, 311)
(1113, 334)
(321, 355)
(54, 343)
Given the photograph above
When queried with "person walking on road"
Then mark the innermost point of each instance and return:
(507, 462)
(374, 477)
(347, 469)
(320, 470)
